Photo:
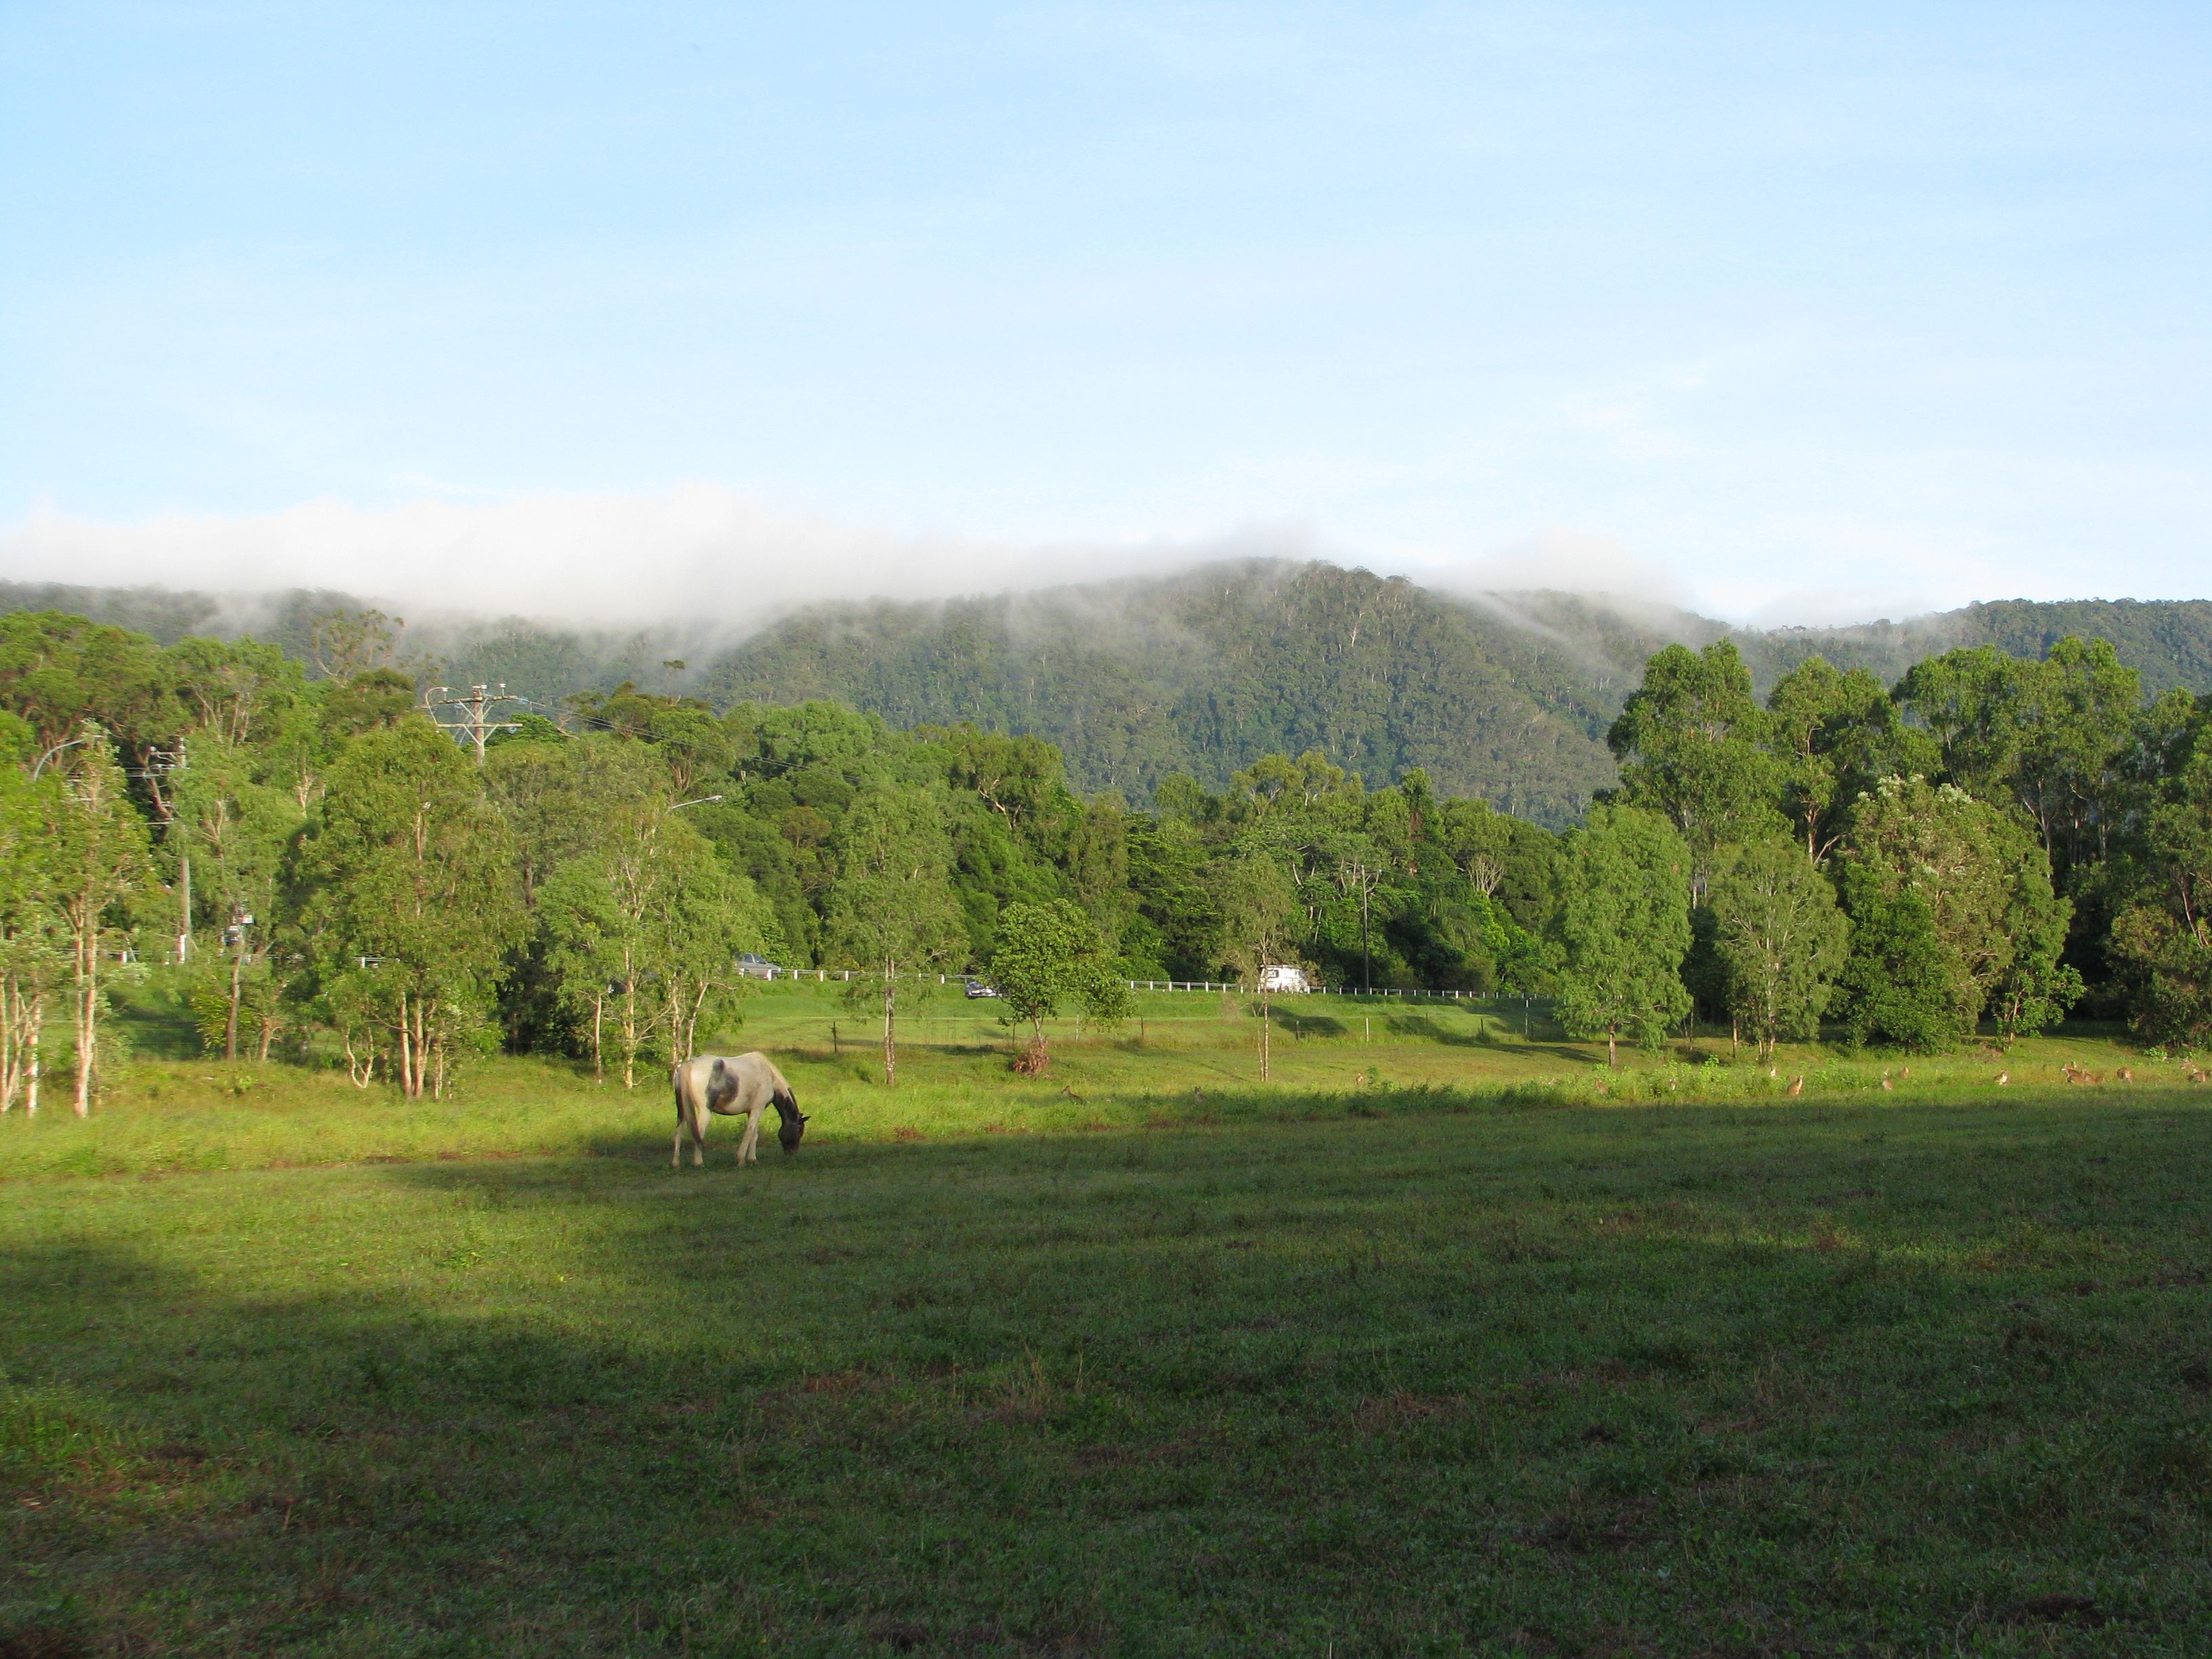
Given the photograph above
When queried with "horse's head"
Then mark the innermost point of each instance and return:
(793, 1124)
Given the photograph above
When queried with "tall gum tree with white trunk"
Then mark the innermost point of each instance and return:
(1781, 936)
(893, 919)
(34, 956)
(642, 931)
(416, 901)
(99, 862)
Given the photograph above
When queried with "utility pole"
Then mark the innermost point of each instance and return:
(476, 720)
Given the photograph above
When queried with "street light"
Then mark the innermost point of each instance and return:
(701, 801)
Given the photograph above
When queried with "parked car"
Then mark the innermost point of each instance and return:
(753, 965)
(977, 988)
(1282, 979)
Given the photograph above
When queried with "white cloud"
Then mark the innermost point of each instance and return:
(698, 557)
(707, 563)
(1561, 561)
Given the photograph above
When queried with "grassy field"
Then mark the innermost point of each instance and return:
(1431, 1346)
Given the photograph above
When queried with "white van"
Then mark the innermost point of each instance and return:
(1281, 979)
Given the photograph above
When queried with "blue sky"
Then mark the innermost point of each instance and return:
(1792, 312)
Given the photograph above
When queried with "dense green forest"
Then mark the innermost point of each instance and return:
(1508, 698)
(1984, 845)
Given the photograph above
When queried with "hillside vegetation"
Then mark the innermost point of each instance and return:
(1990, 843)
(1508, 698)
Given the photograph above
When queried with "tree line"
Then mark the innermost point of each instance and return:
(1993, 839)
(1990, 842)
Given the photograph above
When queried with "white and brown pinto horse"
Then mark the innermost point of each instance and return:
(743, 1087)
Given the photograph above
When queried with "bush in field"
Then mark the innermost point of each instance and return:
(1047, 957)
(1898, 986)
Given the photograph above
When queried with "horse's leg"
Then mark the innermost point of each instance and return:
(698, 1137)
(746, 1152)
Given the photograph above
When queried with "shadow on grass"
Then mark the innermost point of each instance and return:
(1093, 1394)
(1427, 1026)
(155, 1023)
(1300, 1025)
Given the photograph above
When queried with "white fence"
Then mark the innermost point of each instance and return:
(1322, 991)
(844, 974)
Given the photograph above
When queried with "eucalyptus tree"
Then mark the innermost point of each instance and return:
(691, 744)
(1510, 861)
(558, 792)
(99, 862)
(415, 901)
(237, 692)
(641, 933)
(1360, 870)
(1780, 937)
(585, 946)
(1625, 925)
(1967, 703)
(1832, 734)
(1898, 986)
(560, 795)
(2163, 935)
(32, 954)
(704, 916)
(1984, 881)
(1260, 918)
(2082, 706)
(893, 919)
(231, 835)
(2052, 737)
(1692, 744)
(61, 672)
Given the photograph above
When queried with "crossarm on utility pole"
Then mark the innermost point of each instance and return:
(476, 720)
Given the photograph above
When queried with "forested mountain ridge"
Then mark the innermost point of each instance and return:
(1505, 696)
(1991, 838)
(1198, 673)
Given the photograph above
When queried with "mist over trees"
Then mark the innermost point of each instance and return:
(1507, 697)
(1981, 847)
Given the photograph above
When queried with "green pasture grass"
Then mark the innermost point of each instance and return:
(1451, 1339)
(1384, 1371)
(1184, 1058)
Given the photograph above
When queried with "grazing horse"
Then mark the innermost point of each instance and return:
(743, 1087)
